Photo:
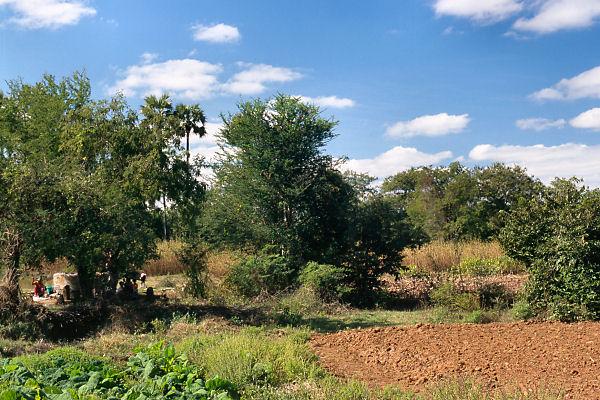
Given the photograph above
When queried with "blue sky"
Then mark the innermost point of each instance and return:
(412, 82)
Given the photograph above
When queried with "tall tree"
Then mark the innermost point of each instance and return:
(274, 180)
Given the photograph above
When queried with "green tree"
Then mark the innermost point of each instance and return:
(82, 177)
(380, 231)
(274, 184)
(456, 202)
(174, 176)
(557, 236)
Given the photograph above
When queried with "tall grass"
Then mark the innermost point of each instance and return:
(441, 256)
(167, 262)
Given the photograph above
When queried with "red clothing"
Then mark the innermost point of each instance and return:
(38, 289)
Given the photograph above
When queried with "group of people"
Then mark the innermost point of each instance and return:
(128, 286)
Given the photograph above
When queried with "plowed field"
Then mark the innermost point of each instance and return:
(554, 356)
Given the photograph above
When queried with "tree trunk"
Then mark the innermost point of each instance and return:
(12, 273)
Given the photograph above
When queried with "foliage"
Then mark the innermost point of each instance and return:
(264, 272)
(275, 186)
(81, 177)
(328, 281)
(380, 232)
(521, 310)
(446, 295)
(488, 266)
(557, 236)
(485, 297)
(193, 257)
(456, 202)
(157, 372)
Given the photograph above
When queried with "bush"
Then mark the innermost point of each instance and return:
(493, 295)
(521, 310)
(265, 272)
(557, 236)
(481, 317)
(327, 281)
(193, 257)
(446, 295)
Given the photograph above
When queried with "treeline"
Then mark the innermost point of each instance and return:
(460, 203)
(99, 184)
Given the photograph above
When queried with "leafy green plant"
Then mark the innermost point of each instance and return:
(557, 236)
(328, 281)
(266, 272)
(446, 295)
(156, 372)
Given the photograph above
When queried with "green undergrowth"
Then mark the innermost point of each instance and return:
(155, 372)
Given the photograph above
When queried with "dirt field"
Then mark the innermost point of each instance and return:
(555, 356)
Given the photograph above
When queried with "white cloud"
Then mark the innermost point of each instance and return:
(586, 84)
(540, 124)
(482, 11)
(147, 58)
(206, 146)
(395, 160)
(52, 14)
(587, 120)
(555, 15)
(253, 79)
(429, 125)
(329, 101)
(186, 78)
(218, 33)
(547, 162)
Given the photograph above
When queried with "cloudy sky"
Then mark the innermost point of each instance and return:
(412, 82)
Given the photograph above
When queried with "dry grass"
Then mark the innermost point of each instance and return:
(441, 256)
(167, 262)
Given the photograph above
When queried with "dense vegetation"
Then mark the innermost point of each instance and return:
(157, 372)
(98, 184)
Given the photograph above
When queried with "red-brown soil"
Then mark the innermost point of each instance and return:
(560, 357)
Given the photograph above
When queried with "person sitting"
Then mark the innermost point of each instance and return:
(38, 288)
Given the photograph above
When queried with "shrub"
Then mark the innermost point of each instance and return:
(265, 272)
(557, 236)
(327, 281)
(494, 295)
(481, 317)
(521, 310)
(446, 295)
(193, 256)
(380, 231)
